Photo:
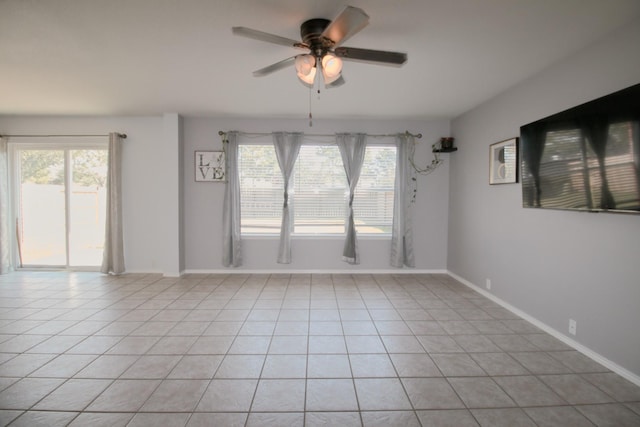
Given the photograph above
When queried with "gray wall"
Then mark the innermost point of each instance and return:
(172, 228)
(203, 203)
(552, 265)
(144, 190)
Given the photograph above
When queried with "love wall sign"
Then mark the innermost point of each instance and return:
(210, 166)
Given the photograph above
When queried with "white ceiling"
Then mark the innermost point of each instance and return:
(148, 57)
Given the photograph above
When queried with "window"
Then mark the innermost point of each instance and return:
(60, 199)
(318, 200)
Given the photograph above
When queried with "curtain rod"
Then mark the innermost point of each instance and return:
(419, 135)
(121, 135)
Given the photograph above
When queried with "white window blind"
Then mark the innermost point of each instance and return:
(319, 188)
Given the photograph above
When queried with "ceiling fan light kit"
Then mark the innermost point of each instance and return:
(309, 78)
(322, 39)
(305, 64)
(331, 68)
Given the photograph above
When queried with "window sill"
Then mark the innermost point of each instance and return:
(315, 237)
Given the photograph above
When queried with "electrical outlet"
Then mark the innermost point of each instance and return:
(489, 284)
(573, 325)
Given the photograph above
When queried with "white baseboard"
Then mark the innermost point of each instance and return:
(623, 372)
(310, 271)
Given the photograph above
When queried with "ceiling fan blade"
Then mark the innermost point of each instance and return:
(274, 67)
(266, 37)
(369, 55)
(350, 21)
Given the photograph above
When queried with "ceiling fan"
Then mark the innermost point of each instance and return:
(323, 39)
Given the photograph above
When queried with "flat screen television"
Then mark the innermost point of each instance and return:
(586, 158)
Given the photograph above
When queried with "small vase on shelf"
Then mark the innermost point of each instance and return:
(445, 146)
(446, 143)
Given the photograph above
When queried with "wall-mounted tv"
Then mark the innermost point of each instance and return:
(586, 158)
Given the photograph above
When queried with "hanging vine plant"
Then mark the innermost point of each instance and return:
(445, 142)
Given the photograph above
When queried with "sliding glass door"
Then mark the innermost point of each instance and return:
(60, 204)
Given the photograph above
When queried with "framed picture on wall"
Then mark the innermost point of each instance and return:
(503, 162)
(210, 166)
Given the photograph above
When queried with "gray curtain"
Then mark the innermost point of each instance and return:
(402, 229)
(231, 248)
(352, 148)
(635, 136)
(537, 135)
(596, 131)
(287, 147)
(113, 255)
(5, 226)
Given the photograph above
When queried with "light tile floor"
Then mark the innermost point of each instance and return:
(86, 349)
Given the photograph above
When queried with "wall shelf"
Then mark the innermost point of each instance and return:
(445, 150)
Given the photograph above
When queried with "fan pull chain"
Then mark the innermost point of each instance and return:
(311, 89)
(310, 115)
